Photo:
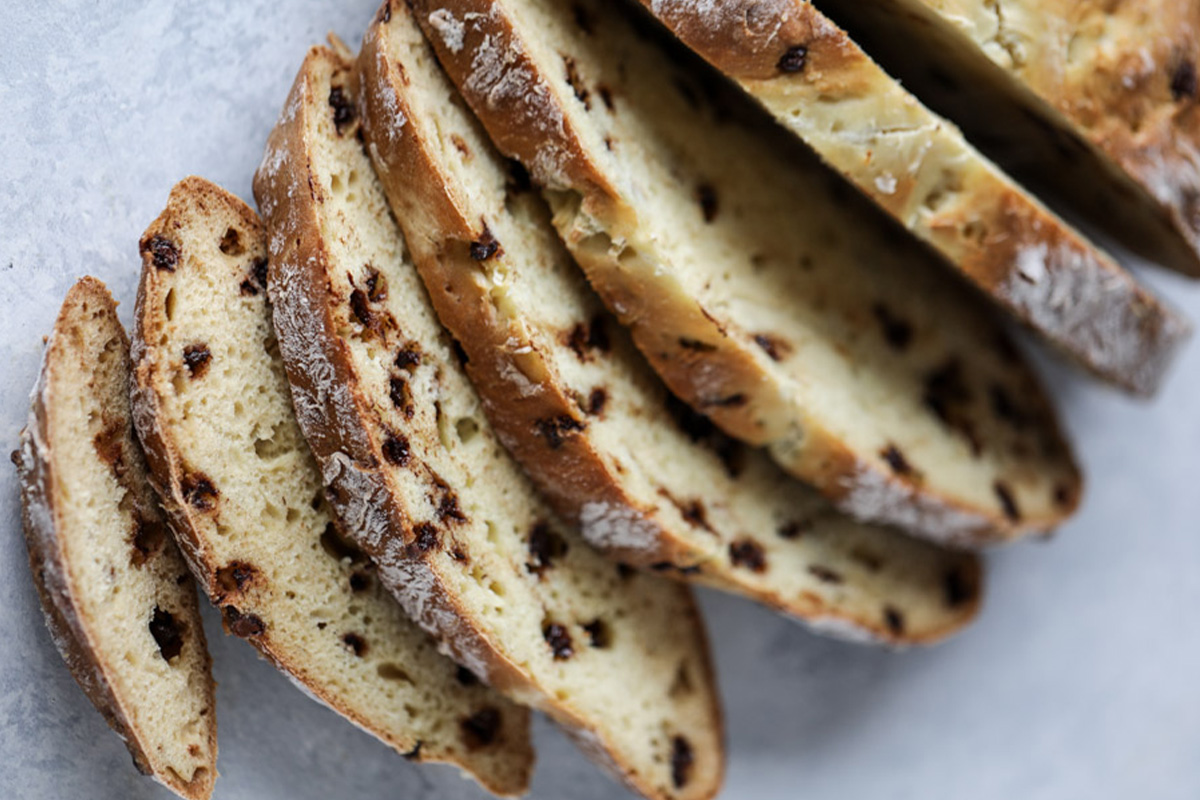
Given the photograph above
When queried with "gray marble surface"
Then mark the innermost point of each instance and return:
(1080, 680)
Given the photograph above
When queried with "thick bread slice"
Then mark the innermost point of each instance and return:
(578, 406)
(1094, 103)
(819, 84)
(213, 407)
(458, 533)
(765, 291)
(118, 600)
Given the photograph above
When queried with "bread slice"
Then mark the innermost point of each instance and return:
(118, 600)
(459, 534)
(918, 167)
(1094, 104)
(765, 291)
(214, 410)
(578, 406)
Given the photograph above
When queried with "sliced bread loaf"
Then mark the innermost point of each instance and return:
(819, 84)
(417, 475)
(764, 290)
(1094, 103)
(118, 599)
(213, 407)
(578, 406)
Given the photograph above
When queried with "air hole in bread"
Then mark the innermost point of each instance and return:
(898, 333)
(393, 672)
(1008, 501)
(466, 428)
(231, 243)
(559, 639)
(169, 305)
(355, 643)
(894, 620)
(465, 677)
(599, 633)
(958, 588)
(338, 548)
(825, 574)
(168, 633)
(682, 685)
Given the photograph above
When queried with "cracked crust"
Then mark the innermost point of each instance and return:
(712, 359)
(89, 310)
(918, 167)
(384, 470)
(448, 190)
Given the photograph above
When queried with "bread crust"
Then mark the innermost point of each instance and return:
(338, 431)
(728, 381)
(1026, 259)
(503, 361)
(48, 563)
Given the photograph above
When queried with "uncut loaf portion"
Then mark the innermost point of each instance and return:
(764, 290)
(817, 82)
(118, 600)
(415, 472)
(1094, 103)
(650, 482)
(214, 410)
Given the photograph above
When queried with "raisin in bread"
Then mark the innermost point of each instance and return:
(214, 410)
(577, 405)
(619, 658)
(819, 84)
(118, 600)
(1094, 103)
(764, 290)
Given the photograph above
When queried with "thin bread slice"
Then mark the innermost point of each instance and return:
(819, 84)
(762, 288)
(619, 658)
(213, 407)
(118, 600)
(1096, 104)
(578, 406)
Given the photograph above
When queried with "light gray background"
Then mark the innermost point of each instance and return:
(1080, 679)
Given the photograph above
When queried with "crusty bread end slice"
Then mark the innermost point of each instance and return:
(416, 473)
(118, 599)
(213, 407)
(650, 483)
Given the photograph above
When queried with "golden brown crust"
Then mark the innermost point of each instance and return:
(48, 562)
(791, 58)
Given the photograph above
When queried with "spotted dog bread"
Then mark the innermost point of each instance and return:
(1094, 103)
(819, 84)
(760, 287)
(650, 482)
(118, 600)
(213, 407)
(423, 486)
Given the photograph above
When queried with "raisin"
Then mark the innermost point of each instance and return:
(559, 640)
(597, 400)
(409, 357)
(396, 450)
(794, 529)
(401, 396)
(794, 59)
(199, 492)
(425, 537)
(749, 554)
(896, 332)
(485, 247)
(775, 348)
(163, 253)
(577, 85)
(243, 625)
(448, 508)
(360, 308)
(545, 546)
(894, 620)
(355, 643)
(235, 577)
(556, 429)
(1183, 80)
(958, 588)
(148, 538)
(896, 460)
(196, 358)
(696, 345)
(167, 633)
(682, 759)
(231, 243)
(343, 109)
